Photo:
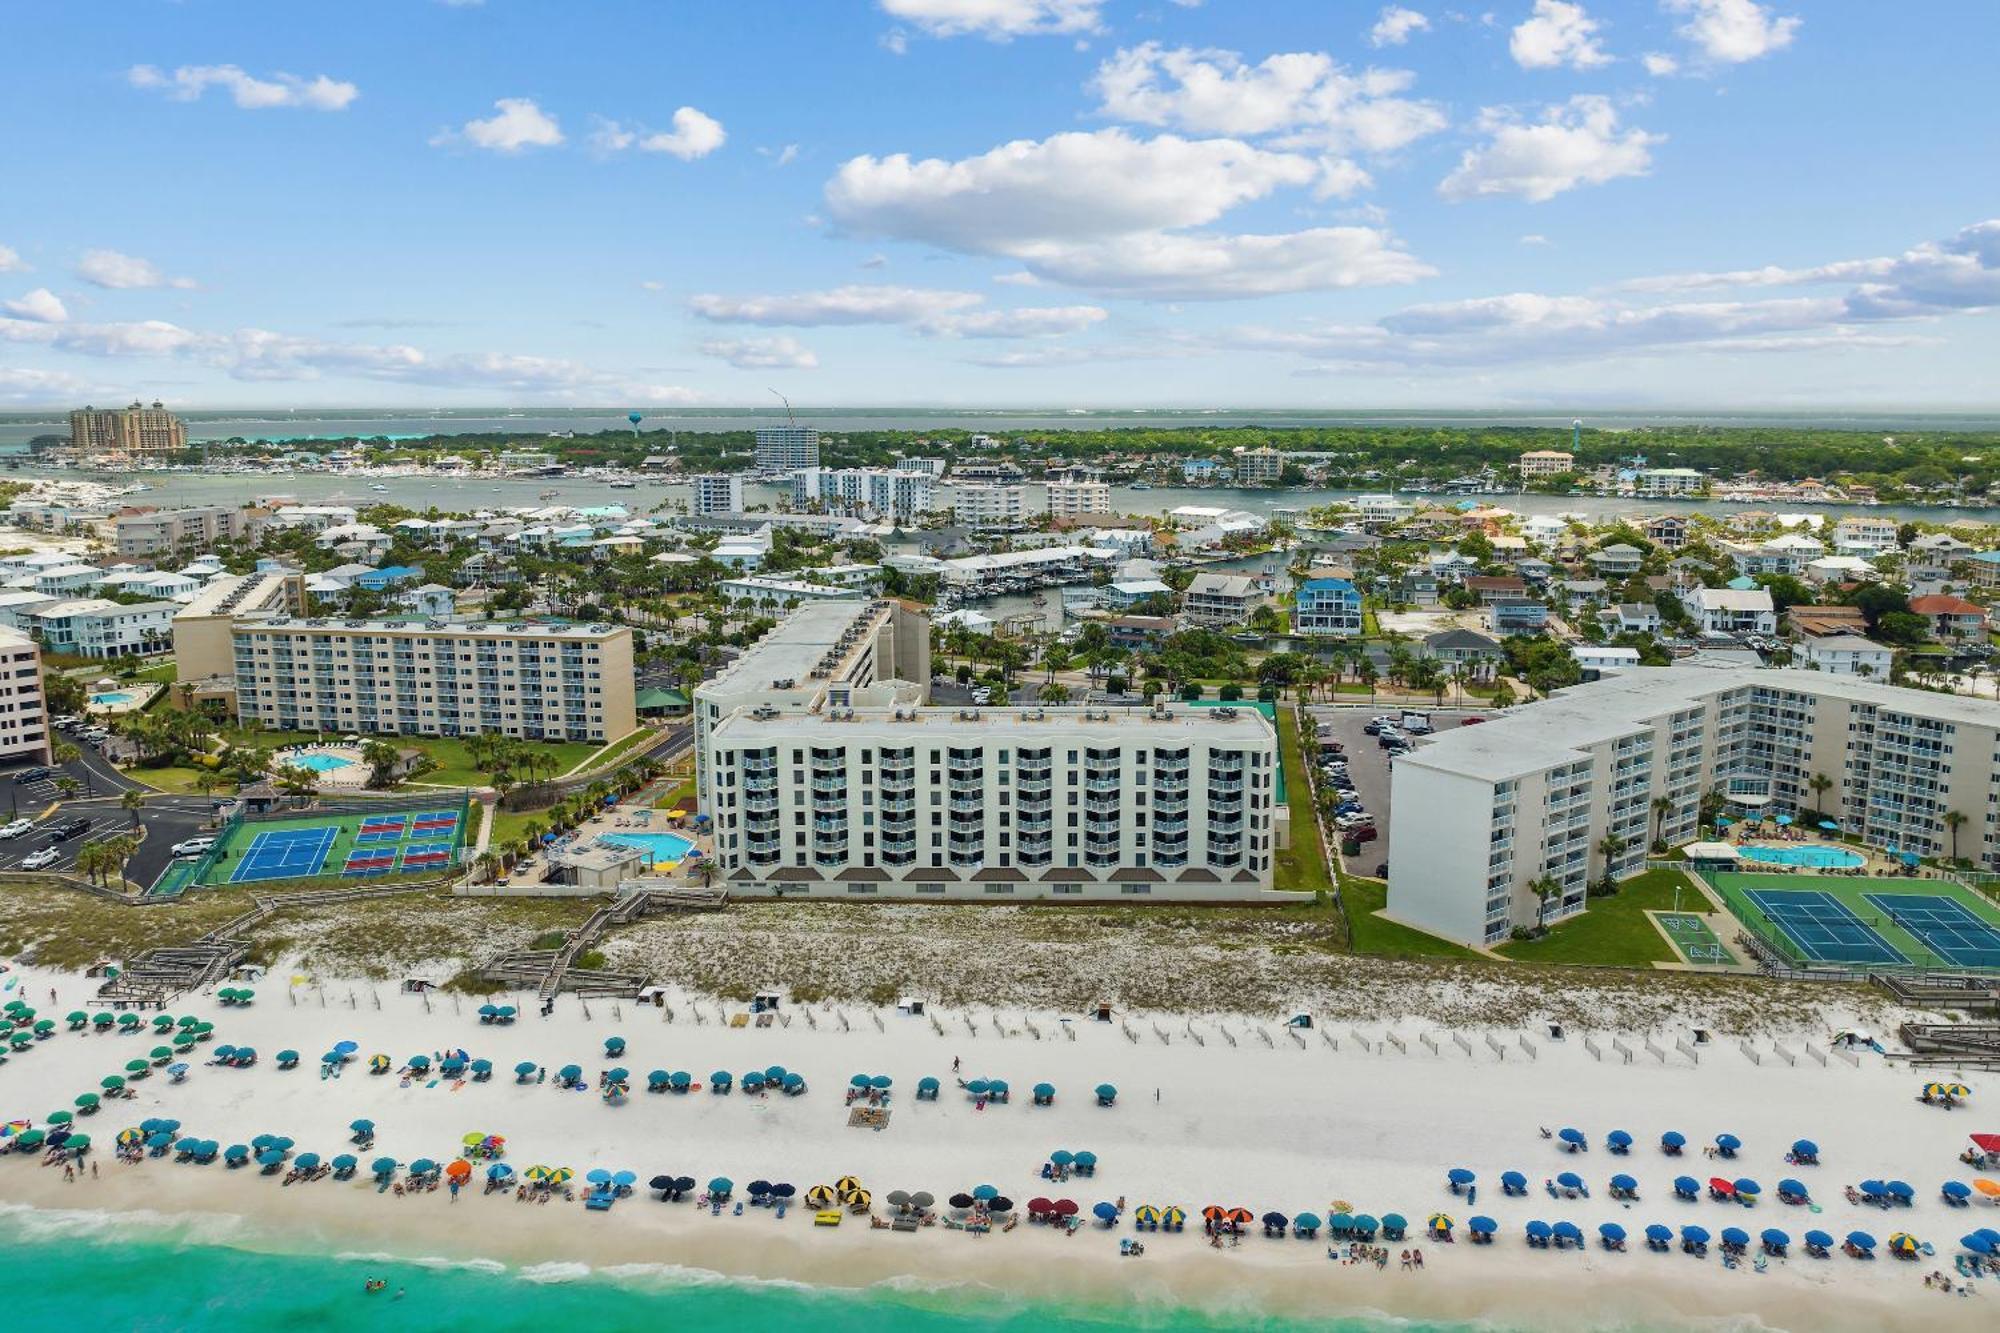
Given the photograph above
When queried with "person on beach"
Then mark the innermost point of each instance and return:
(1417, 1258)
(1406, 1261)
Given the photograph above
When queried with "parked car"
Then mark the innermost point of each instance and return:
(68, 829)
(1374, 728)
(193, 846)
(36, 860)
(1366, 833)
(1471, 721)
(35, 774)
(1348, 823)
(16, 829)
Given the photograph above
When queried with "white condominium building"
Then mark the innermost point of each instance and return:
(1067, 499)
(871, 492)
(1669, 481)
(826, 654)
(1030, 803)
(1546, 463)
(24, 718)
(782, 449)
(434, 678)
(715, 493)
(1482, 814)
(1259, 467)
(989, 505)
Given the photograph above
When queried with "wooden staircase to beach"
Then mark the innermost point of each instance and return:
(1960, 1043)
(552, 971)
(1972, 994)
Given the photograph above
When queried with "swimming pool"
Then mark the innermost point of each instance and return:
(318, 762)
(1815, 858)
(113, 697)
(660, 847)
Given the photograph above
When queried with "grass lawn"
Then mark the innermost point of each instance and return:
(1615, 931)
(455, 767)
(180, 780)
(622, 748)
(163, 673)
(1381, 938)
(1301, 867)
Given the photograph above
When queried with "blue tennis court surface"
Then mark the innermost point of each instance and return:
(284, 854)
(1822, 928)
(1947, 928)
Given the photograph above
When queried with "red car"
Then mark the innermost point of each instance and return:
(1366, 833)
(1471, 721)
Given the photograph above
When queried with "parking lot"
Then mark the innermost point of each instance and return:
(166, 819)
(1368, 768)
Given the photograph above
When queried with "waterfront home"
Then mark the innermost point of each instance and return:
(1461, 646)
(1733, 610)
(1951, 617)
(1327, 608)
(1221, 601)
(1844, 655)
(1510, 618)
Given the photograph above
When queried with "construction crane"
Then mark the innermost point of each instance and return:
(789, 418)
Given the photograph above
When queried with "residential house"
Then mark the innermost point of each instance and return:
(1788, 554)
(1865, 536)
(1936, 553)
(1952, 617)
(1668, 531)
(1616, 561)
(1810, 621)
(1597, 660)
(96, 627)
(1494, 588)
(1575, 594)
(1462, 646)
(1630, 618)
(1985, 569)
(1137, 632)
(1844, 655)
(1733, 610)
(1221, 600)
(1535, 570)
(1519, 617)
(1327, 608)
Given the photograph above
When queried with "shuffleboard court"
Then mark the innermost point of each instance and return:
(1692, 938)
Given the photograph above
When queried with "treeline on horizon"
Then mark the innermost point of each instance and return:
(1924, 460)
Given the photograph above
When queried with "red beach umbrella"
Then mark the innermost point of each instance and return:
(1064, 1208)
(1721, 1186)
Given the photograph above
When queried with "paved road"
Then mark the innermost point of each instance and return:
(1368, 766)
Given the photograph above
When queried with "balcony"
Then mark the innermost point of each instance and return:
(1103, 784)
(837, 825)
(1034, 786)
(1223, 790)
(1035, 823)
(965, 805)
(898, 804)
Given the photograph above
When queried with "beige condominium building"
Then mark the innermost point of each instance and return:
(1546, 463)
(134, 430)
(24, 716)
(1480, 815)
(158, 531)
(435, 678)
(204, 643)
(1008, 803)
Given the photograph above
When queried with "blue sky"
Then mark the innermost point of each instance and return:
(1536, 203)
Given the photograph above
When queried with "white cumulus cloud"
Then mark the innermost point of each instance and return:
(1659, 64)
(1557, 33)
(187, 83)
(1394, 26)
(41, 305)
(11, 261)
(1026, 322)
(997, 20)
(516, 123)
(779, 352)
(1730, 32)
(933, 311)
(1201, 266)
(110, 268)
(695, 134)
(1305, 96)
(1578, 142)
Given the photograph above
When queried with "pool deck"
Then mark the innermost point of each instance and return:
(141, 692)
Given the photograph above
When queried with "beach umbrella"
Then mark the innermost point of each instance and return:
(344, 1162)
(29, 1138)
(1976, 1243)
(482, 1068)
(775, 1074)
(128, 1137)
(881, 1082)
(682, 1184)
(1062, 1157)
(1458, 1175)
(225, 1052)
(1539, 1230)
(1044, 1090)
(362, 1126)
(984, 1192)
(263, 1141)
(1748, 1188)
(1569, 1180)
(44, 1026)
(570, 1073)
(1903, 1243)
(1793, 1189)
(1774, 1238)
(1697, 1235)
(1728, 1142)
(1366, 1223)
(423, 1166)
(1087, 1160)
(1673, 1138)
(1108, 1213)
(383, 1166)
(1069, 1208)
(1395, 1222)
(418, 1062)
(919, 1199)
(499, 1171)
(458, 1169)
(1270, 1219)
(288, 1057)
(1618, 1138)
(1306, 1223)
(1989, 1188)
(163, 1053)
(343, 1049)
(524, 1070)
(1439, 1222)
(1106, 1094)
(1611, 1231)
(1898, 1189)
(1873, 1187)
(270, 1157)
(236, 1152)
(619, 1074)
(188, 1146)
(537, 1173)
(819, 1196)
(1572, 1136)
(795, 1082)
(1735, 1236)
(680, 1078)
(720, 1078)
(1569, 1231)
(1861, 1240)
(77, 1018)
(111, 1082)
(1805, 1148)
(927, 1085)
(721, 1185)
(1624, 1182)
(1726, 1188)
(1658, 1234)
(137, 1066)
(379, 1063)
(661, 1183)
(598, 1176)
(656, 1079)
(1819, 1239)
(861, 1081)
(1956, 1189)
(1513, 1180)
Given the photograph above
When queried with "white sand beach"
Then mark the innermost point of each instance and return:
(1246, 1115)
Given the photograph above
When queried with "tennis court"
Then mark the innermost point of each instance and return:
(290, 853)
(1946, 926)
(1692, 938)
(1846, 921)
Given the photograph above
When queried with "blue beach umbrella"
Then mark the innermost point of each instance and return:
(1539, 1230)
(1898, 1189)
(880, 1082)
(1062, 1157)
(1805, 1148)
(384, 1166)
(1484, 1225)
(1774, 1238)
(1659, 1234)
(362, 1126)
(1819, 1239)
(1687, 1186)
(624, 1180)
(1624, 1182)
(270, 1157)
(570, 1073)
(721, 1185)
(525, 1069)
(1956, 1189)
(307, 1161)
(861, 1081)
(775, 1074)
(1611, 1231)
(345, 1048)
(1106, 1212)
(1748, 1188)
(344, 1162)
(1698, 1235)
(1086, 1159)
(1458, 1175)
(1569, 1180)
(985, 1192)
(1618, 1138)
(1567, 1231)
(598, 1176)
(1572, 1136)
(794, 1082)
(1673, 1138)
(1861, 1240)
(1795, 1188)
(1513, 1180)
(423, 1166)
(1728, 1142)
(1735, 1236)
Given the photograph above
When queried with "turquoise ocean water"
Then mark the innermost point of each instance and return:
(67, 1271)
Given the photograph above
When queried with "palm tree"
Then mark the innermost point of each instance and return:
(1054, 693)
(1954, 820)
(68, 786)
(133, 802)
(1545, 888)
(1821, 784)
(297, 781)
(1610, 847)
(1662, 807)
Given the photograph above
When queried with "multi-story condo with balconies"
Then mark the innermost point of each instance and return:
(784, 449)
(1507, 825)
(1016, 803)
(24, 715)
(1069, 499)
(826, 654)
(204, 629)
(873, 492)
(133, 431)
(435, 678)
(156, 531)
(715, 493)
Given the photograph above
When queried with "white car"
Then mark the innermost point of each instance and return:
(193, 846)
(36, 860)
(16, 829)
